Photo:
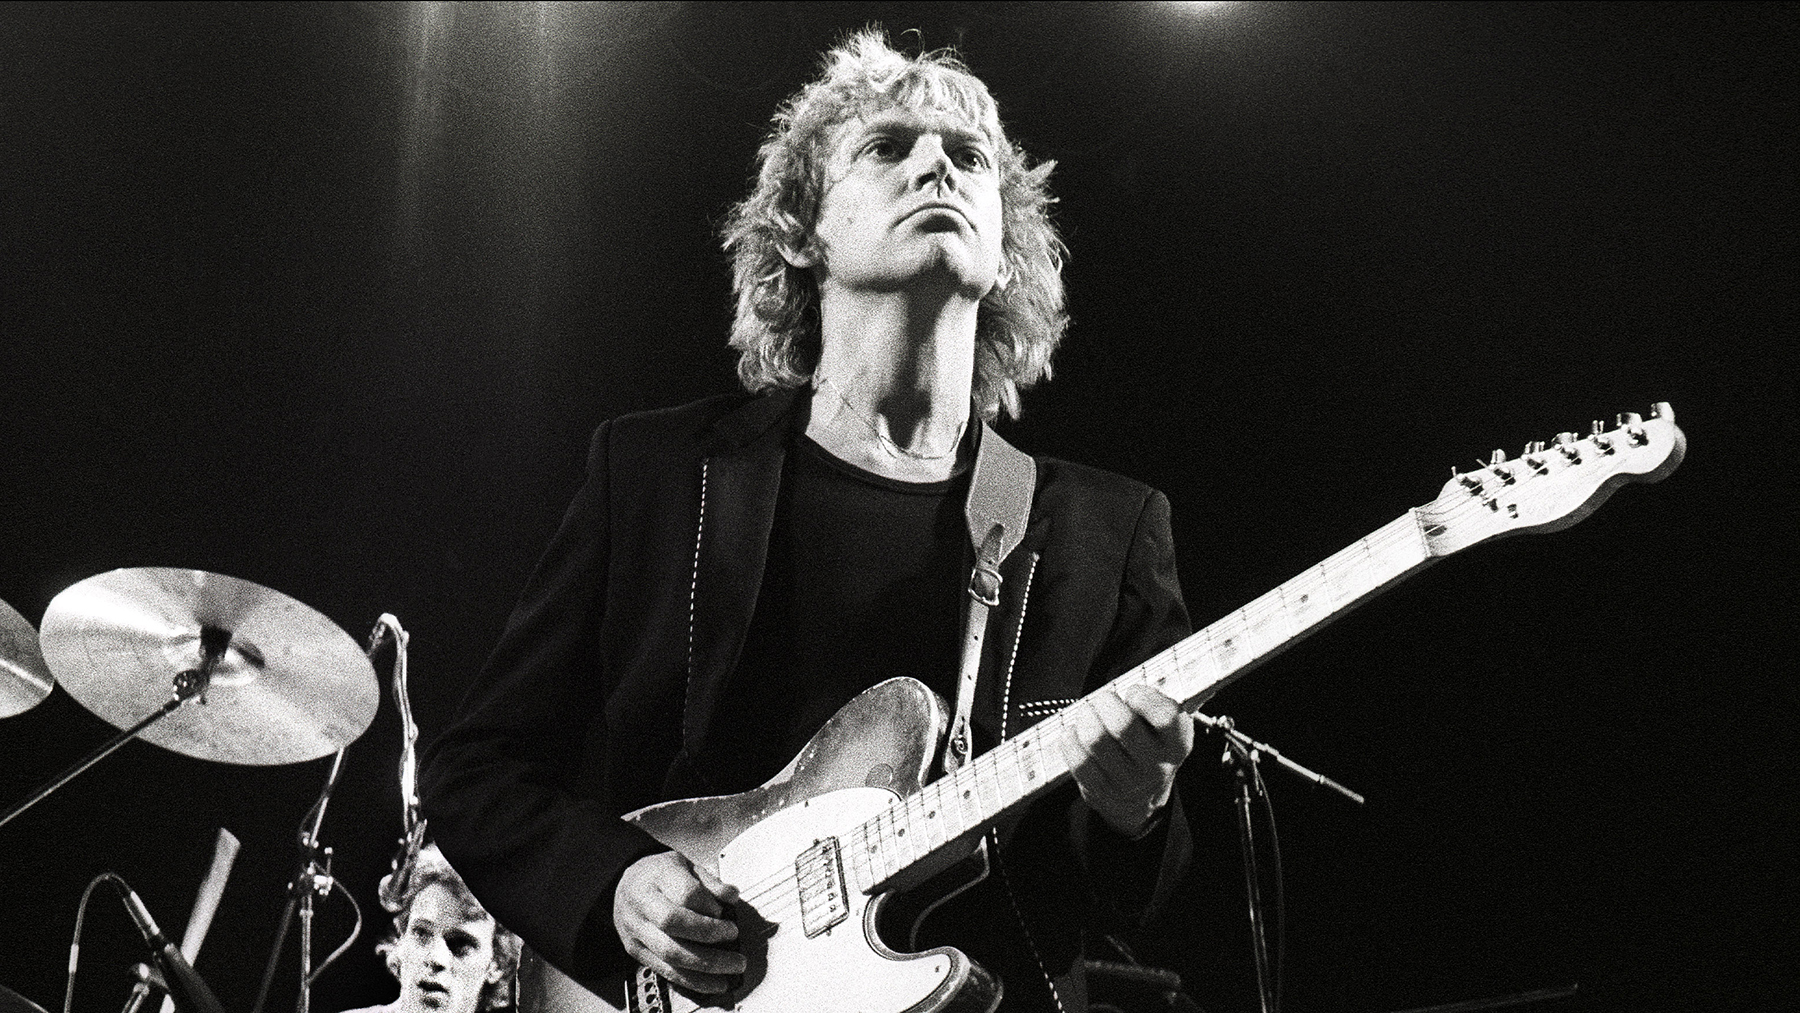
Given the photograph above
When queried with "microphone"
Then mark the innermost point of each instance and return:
(185, 986)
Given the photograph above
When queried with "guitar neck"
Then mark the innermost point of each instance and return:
(1024, 767)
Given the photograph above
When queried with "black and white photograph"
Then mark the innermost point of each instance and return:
(780, 507)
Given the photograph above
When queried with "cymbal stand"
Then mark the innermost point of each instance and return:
(312, 879)
(186, 685)
(1242, 754)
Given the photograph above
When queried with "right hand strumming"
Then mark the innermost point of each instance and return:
(670, 914)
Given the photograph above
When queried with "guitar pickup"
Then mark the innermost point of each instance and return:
(820, 872)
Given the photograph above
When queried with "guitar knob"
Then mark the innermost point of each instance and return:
(1496, 459)
(1564, 439)
(1630, 419)
(1534, 447)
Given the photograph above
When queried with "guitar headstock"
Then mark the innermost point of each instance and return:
(1551, 486)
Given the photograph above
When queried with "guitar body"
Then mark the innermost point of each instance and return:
(878, 747)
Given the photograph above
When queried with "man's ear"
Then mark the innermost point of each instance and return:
(1005, 275)
(803, 257)
(495, 972)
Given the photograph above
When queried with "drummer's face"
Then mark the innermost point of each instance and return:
(445, 957)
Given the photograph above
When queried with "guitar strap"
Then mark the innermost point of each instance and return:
(998, 508)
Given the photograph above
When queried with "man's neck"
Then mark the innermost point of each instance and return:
(894, 380)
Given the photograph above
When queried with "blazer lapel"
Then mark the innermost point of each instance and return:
(744, 452)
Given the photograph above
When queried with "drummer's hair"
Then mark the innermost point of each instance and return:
(495, 995)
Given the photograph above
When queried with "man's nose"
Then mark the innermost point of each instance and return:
(930, 163)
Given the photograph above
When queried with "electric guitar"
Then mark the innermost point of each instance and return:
(815, 851)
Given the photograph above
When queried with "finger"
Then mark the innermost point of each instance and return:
(692, 958)
(656, 959)
(714, 885)
(683, 889)
(687, 924)
(1173, 732)
(1094, 764)
(1133, 739)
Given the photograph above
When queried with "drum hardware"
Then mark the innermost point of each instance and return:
(1243, 754)
(312, 875)
(24, 678)
(276, 682)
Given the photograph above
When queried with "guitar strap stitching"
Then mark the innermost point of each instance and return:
(998, 508)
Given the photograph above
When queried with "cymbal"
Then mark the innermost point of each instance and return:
(290, 686)
(24, 678)
(13, 1002)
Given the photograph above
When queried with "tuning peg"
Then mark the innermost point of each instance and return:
(1630, 419)
(1601, 440)
(1534, 447)
(1496, 459)
(1565, 442)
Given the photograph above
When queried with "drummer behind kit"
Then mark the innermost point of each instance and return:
(277, 683)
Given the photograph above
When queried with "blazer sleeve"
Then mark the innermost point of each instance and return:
(496, 786)
(1136, 877)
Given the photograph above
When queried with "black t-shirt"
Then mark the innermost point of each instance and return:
(863, 583)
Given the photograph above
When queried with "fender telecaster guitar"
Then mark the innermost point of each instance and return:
(851, 819)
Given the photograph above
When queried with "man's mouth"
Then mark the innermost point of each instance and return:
(937, 209)
(433, 994)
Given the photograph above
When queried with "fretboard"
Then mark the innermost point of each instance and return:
(1029, 764)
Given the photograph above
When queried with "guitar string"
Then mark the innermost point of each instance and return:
(780, 889)
(776, 893)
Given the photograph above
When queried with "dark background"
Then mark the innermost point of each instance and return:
(328, 296)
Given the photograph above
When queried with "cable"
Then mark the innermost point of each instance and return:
(1280, 888)
(355, 931)
(75, 941)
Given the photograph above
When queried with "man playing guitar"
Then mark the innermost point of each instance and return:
(735, 571)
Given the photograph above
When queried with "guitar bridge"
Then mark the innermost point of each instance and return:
(820, 872)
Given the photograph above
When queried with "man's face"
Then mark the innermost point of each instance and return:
(444, 959)
(911, 195)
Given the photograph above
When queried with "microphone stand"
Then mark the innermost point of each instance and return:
(1242, 753)
(149, 988)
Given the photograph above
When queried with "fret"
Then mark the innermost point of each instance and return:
(929, 821)
(864, 868)
(990, 786)
(1011, 780)
(896, 841)
(966, 802)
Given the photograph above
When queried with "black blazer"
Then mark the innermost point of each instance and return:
(610, 666)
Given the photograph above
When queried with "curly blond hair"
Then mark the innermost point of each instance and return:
(777, 328)
(430, 868)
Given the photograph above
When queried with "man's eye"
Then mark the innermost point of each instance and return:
(421, 933)
(972, 158)
(882, 147)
